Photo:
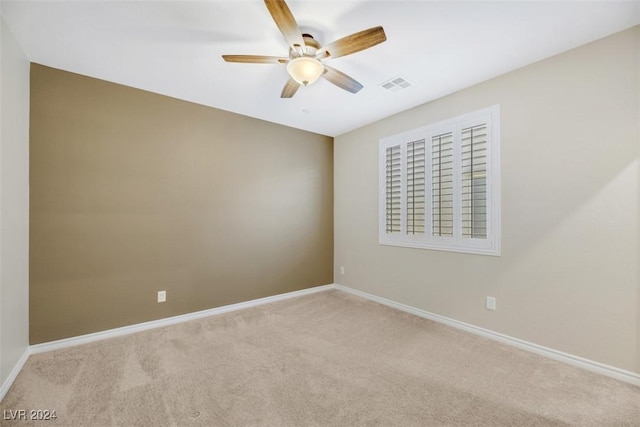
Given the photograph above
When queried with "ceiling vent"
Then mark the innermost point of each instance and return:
(396, 84)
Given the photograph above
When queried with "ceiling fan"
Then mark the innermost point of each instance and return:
(305, 62)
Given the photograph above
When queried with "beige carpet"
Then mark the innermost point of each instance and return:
(326, 359)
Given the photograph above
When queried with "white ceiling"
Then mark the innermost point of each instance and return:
(174, 48)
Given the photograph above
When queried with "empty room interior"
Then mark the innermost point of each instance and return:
(320, 213)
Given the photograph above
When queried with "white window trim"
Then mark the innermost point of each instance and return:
(488, 246)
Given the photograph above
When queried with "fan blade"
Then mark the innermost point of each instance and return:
(255, 59)
(290, 88)
(341, 80)
(286, 22)
(353, 43)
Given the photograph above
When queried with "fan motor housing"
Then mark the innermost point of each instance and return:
(310, 47)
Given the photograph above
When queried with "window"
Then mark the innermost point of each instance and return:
(440, 185)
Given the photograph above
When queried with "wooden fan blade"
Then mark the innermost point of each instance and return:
(341, 80)
(286, 22)
(353, 43)
(290, 88)
(255, 59)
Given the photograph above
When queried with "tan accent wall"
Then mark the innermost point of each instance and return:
(568, 276)
(134, 192)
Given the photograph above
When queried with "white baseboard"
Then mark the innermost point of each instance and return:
(6, 385)
(590, 365)
(126, 330)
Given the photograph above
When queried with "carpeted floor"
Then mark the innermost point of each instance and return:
(326, 359)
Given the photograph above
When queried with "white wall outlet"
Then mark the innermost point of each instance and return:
(342, 270)
(162, 296)
(491, 303)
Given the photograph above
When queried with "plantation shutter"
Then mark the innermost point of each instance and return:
(393, 190)
(442, 184)
(439, 185)
(474, 182)
(416, 157)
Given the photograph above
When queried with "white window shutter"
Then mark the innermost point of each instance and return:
(474, 182)
(415, 184)
(393, 190)
(442, 185)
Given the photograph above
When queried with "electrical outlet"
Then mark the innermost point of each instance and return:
(491, 303)
(162, 296)
(342, 270)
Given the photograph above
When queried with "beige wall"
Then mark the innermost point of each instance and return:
(568, 277)
(134, 192)
(14, 203)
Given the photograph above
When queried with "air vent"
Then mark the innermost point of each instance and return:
(396, 84)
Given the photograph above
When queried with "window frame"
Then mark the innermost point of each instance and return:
(489, 246)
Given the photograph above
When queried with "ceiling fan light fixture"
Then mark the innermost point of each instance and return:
(305, 70)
